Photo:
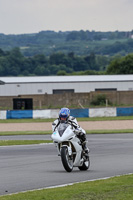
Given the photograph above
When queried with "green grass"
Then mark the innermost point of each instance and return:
(28, 142)
(105, 118)
(109, 131)
(22, 142)
(79, 119)
(9, 133)
(117, 188)
(25, 120)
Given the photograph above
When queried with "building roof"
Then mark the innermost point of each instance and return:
(59, 79)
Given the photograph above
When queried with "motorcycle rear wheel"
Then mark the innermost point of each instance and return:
(67, 160)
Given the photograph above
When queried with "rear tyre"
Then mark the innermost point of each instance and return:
(67, 160)
(86, 164)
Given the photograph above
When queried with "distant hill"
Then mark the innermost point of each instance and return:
(78, 42)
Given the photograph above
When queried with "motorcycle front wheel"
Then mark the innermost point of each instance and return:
(67, 160)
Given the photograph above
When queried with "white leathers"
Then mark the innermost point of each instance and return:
(71, 120)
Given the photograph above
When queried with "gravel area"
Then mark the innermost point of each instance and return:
(87, 125)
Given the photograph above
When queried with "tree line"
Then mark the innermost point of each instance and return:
(80, 42)
(14, 63)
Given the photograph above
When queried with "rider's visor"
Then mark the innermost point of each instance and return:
(63, 118)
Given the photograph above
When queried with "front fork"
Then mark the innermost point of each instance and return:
(59, 146)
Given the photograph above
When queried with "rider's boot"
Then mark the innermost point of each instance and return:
(85, 148)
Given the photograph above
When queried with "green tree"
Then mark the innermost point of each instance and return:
(40, 59)
(53, 69)
(5, 66)
(16, 62)
(91, 61)
(57, 58)
(2, 52)
(123, 65)
(41, 70)
(61, 73)
(79, 64)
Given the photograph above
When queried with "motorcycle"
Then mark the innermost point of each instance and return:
(69, 147)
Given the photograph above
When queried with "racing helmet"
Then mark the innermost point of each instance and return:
(64, 113)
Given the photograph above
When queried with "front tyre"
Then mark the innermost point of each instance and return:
(86, 164)
(67, 160)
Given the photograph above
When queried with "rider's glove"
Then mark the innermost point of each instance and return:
(77, 131)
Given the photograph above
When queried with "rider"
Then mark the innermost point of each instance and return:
(64, 117)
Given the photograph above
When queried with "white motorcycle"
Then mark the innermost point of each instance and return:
(70, 149)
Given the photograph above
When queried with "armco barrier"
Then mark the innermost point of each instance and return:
(19, 114)
(125, 111)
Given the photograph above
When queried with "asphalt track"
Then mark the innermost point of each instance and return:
(32, 167)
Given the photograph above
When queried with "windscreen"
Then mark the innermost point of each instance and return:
(62, 127)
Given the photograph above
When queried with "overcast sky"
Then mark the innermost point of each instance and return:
(32, 16)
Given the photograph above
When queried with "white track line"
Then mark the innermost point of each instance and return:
(24, 145)
(64, 185)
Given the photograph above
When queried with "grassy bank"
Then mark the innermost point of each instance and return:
(120, 188)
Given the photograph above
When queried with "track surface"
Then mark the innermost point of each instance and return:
(37, 166)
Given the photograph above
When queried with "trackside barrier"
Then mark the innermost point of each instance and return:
(79, 112)
(125, 111)
(53, 113)
(19, 114)
(45, 113)
(102, 112)
(3, 114)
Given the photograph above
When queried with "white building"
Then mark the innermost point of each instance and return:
(14, 86)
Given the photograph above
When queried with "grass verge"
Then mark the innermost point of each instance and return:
(22, 142)
(105, 118)
(120, 188)
(10, 133)
(109, 131)
(25, 120)
(79, 119)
